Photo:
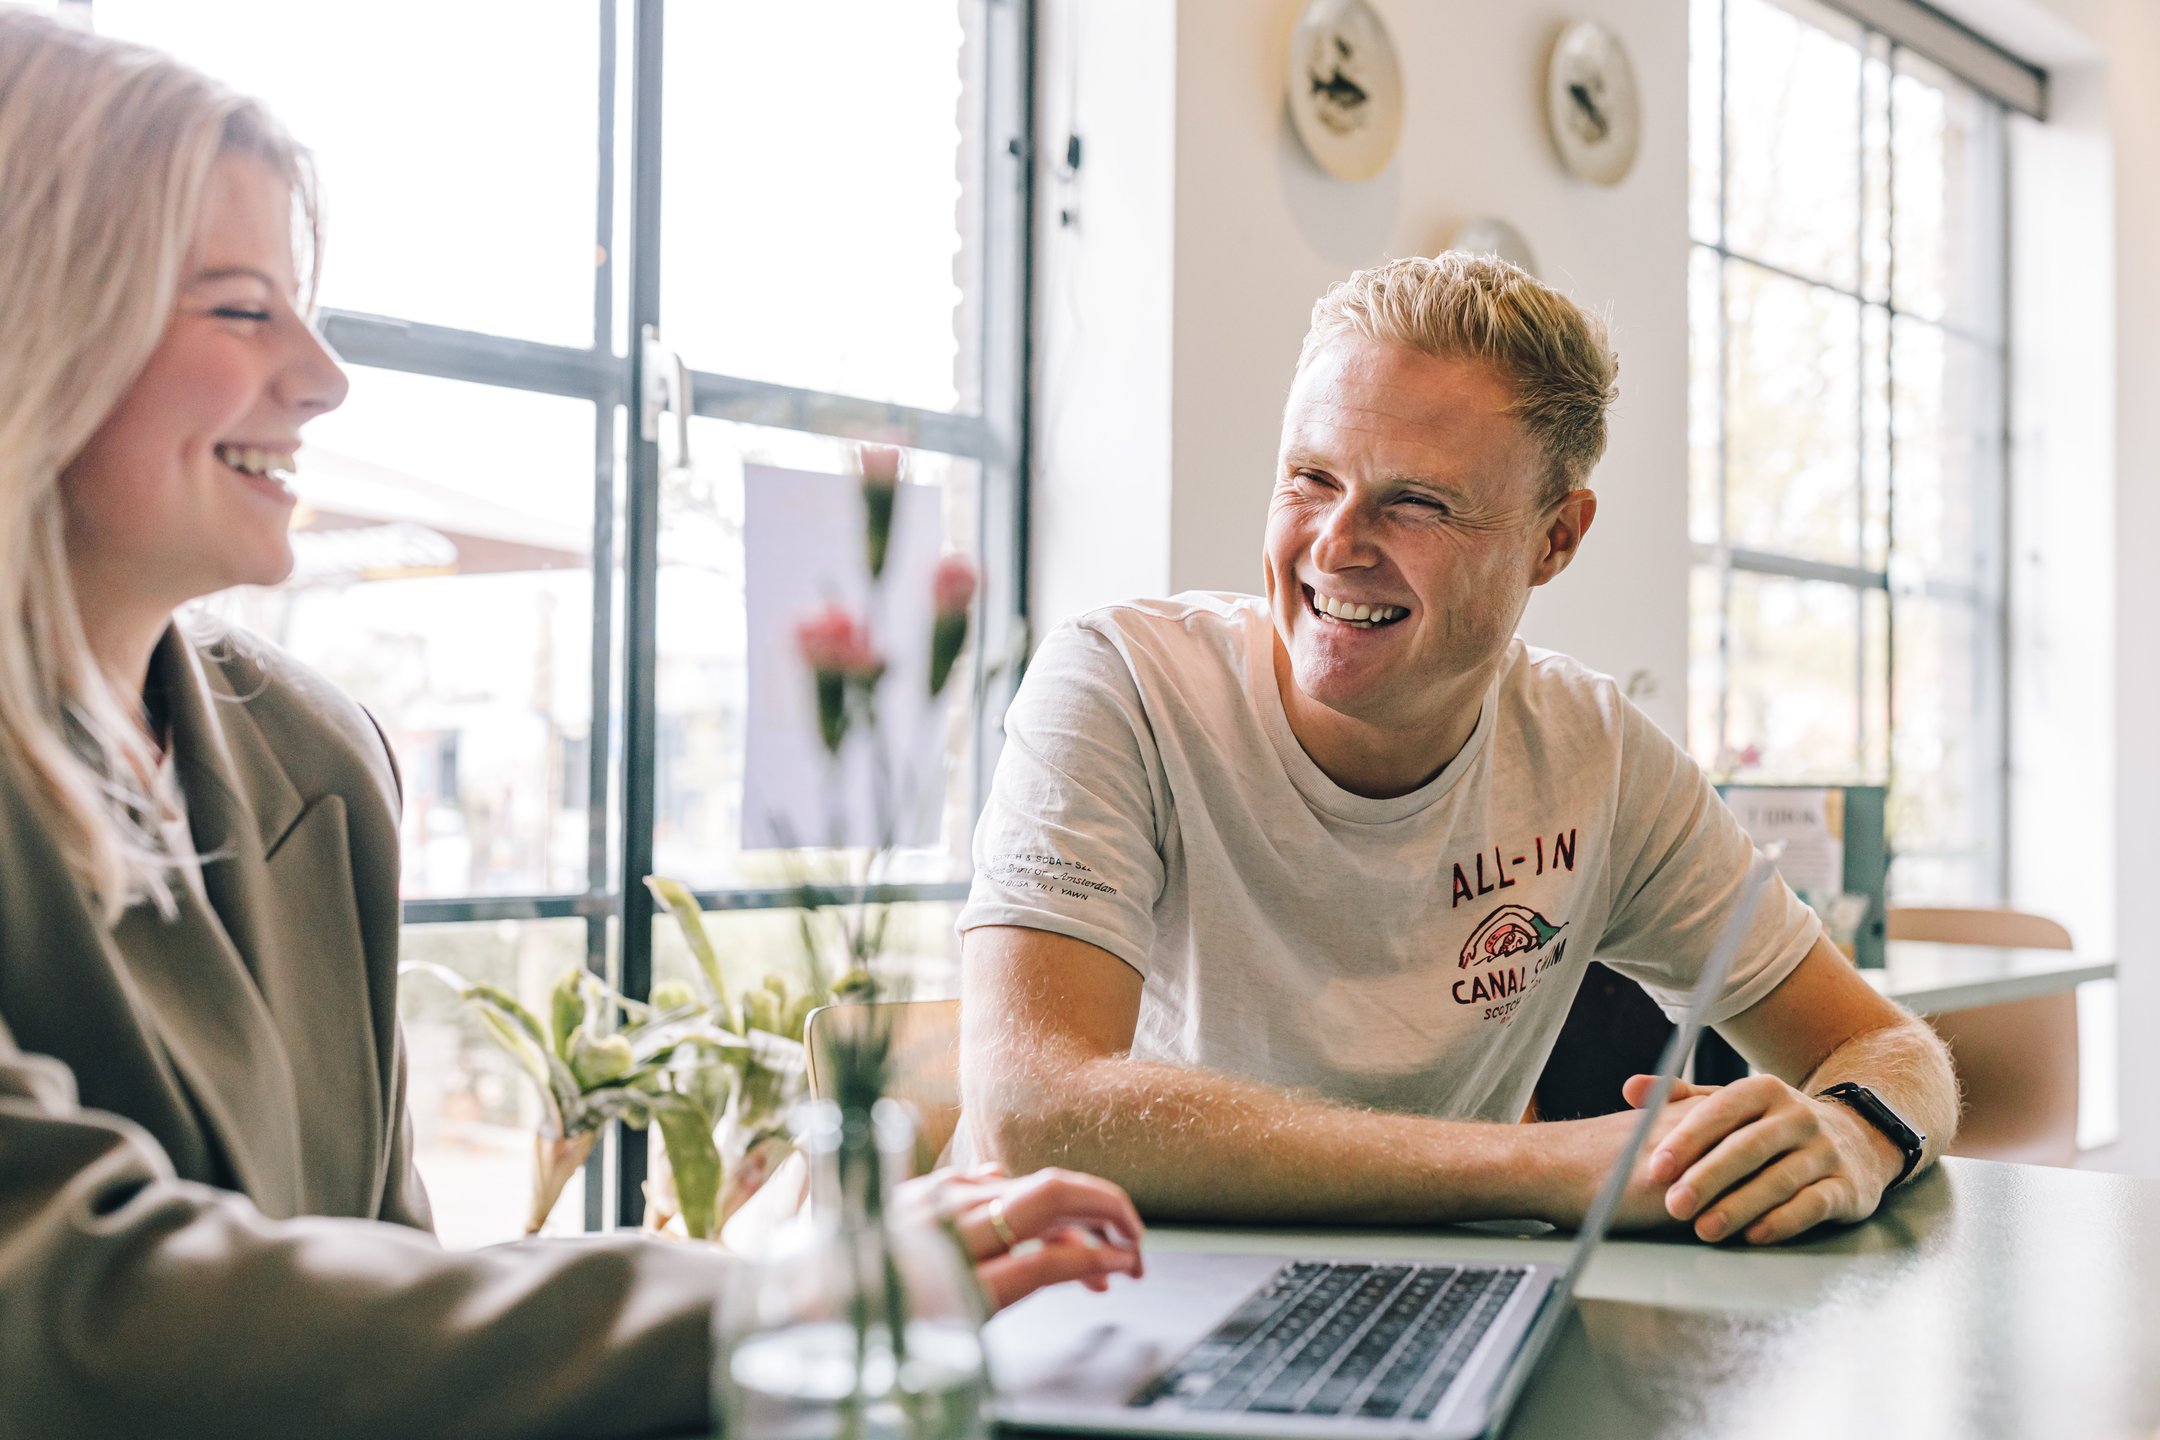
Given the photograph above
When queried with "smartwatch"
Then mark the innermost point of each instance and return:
(1872, 1109)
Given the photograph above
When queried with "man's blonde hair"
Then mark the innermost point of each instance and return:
(105, 151)
(1457, 306)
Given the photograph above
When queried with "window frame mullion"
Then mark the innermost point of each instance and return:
(641, 528)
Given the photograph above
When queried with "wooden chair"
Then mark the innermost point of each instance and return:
(926, 1062)
(2017, 1061)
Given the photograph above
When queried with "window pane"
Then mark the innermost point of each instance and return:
(1943, 785)
(474, 1111)
(1798, 698)
(1940, 880)
(1875, 162)
(1792, 135)
(1706, 669)
(702, 687)
(921, 955)
(1875, 497)
(1792, 417)
(1948, 158)
(444, 580)
(1706, 368)
(459, 191)
(839, 250)
(1947, 411)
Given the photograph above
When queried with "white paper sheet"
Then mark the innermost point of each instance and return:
(803, 536)
(1802, 830)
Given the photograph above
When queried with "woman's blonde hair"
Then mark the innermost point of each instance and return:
(1457, 305)
(105, 151)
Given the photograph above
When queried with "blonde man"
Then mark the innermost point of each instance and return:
(1281, 899)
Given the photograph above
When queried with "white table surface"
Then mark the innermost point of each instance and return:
(1930, 978)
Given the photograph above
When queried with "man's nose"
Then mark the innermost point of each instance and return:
(1344, 541)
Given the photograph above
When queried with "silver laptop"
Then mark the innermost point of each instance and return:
(1262, 1345)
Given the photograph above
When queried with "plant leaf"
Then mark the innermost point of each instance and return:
(594, 1063)
(534, 1061)
(687, 1132)
(566, 1008)
(677, 898)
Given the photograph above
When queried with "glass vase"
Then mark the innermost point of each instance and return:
(863, 1319)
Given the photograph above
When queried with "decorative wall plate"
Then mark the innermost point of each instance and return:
(1591, 103)
(1490, 235)
(1345, 88)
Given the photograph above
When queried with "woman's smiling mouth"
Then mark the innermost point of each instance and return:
(269, 469)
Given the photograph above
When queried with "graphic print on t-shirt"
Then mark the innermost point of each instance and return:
(1504, 957)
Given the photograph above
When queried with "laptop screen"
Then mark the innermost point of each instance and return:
(1708, 986)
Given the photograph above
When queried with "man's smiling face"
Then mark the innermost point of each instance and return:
(1409, 523)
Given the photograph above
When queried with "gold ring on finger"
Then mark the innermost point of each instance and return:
(999, 1226)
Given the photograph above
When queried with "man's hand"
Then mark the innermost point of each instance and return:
(1761, 1160)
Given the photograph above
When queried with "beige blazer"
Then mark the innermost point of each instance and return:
(209, 1220)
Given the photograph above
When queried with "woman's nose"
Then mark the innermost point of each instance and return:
(314, 381)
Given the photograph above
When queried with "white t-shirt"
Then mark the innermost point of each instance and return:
(1416, 954)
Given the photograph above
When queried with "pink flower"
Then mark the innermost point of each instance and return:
(836, 642)
(952, 591)
(880, 488)
(844, 669)
(954, 585)
(880, 463)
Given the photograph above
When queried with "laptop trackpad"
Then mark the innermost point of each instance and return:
(1068, 1346)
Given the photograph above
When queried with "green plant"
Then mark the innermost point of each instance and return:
(587, 1073)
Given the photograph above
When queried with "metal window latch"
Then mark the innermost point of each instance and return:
(666, 389)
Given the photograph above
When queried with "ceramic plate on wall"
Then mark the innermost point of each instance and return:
(1345, 88)
(1591, 103)
(1493, 236)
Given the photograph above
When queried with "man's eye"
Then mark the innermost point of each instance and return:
(1424, 502)
(240, 312)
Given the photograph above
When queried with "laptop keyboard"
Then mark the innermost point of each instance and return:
(1322, 1338)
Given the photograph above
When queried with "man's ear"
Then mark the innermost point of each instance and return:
(1564, 532)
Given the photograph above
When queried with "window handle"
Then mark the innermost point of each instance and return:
(667, 388)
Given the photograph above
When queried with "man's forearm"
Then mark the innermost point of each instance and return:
(1191, 1144)
(1909, 1066)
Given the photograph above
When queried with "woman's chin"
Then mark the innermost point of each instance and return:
(273, 566)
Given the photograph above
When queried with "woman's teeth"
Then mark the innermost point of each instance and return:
(252, 461)
(1349, 613)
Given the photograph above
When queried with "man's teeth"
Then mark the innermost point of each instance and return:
(256, 462)
(1347, 610)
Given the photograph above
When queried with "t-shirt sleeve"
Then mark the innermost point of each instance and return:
(1070, 840)
(1680, 863)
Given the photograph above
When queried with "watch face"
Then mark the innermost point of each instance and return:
(1591, 104)
(1345, 88)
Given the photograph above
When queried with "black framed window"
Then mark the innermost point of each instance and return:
(821, 209)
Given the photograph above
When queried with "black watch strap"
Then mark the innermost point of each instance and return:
(1872, 1108)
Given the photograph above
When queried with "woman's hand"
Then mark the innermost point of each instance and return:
(1041, 1229)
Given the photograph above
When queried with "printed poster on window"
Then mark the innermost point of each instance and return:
(803, 537)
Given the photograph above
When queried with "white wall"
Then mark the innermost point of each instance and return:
(2107, 85)
(1196, 204)
(1100, 522)
(1258, 232)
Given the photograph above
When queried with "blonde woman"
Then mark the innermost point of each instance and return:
(209, 1218)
